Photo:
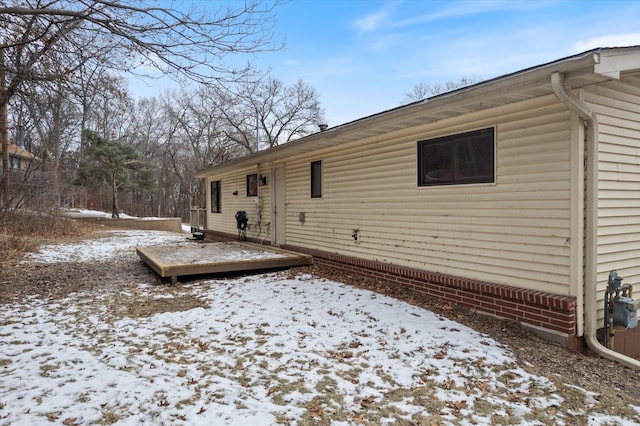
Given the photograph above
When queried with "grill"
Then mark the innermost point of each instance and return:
(241, 222)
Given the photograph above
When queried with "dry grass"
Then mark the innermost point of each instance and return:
(43, 224)
(23, 231)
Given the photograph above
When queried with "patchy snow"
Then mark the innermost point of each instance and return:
(94, 213)
(104, 215)
(263, 349)
(117, 243)
(205, 253)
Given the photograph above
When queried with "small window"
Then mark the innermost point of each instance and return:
(215, 197)
(14, 162)
(316, 179)
(252, 185)
(457, 159)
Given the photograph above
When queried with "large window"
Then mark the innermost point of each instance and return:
(316, 179)
(252, 185)
(215, 197)
(457, 159)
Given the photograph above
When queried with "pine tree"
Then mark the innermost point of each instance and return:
(117, 164)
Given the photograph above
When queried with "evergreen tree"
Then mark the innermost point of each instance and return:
(117, 164)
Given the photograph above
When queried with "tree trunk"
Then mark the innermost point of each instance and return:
(115, 210)
(4, 136)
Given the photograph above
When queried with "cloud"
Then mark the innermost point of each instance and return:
(611, 40)
(375, 20)
(371, 22)
(466, 8)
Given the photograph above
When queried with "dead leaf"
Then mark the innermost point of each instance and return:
(314, 410)
(460, 405)
(366, 402)
(53, 416)
(357, 418)
(440, 355)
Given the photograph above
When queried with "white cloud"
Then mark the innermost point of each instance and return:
(375, 20)
(468, 8)
(371, 22)
(611, 40)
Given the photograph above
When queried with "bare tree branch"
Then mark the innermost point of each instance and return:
(52, 40)
(423, 90)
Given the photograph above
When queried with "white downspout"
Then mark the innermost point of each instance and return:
(591, 204)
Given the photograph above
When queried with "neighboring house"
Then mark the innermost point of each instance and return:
(24, 180)
(19, 158)
(515, 196)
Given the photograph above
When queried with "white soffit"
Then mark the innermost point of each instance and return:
(611, 63)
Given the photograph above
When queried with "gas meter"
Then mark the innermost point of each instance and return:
(619, 307)
(619, 303)
(625, 312)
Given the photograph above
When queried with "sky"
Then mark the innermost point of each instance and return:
(270, 348)
(363, 56)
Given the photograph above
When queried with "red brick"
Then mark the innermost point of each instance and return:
(513, 313)
(539, 318)
(530, 309)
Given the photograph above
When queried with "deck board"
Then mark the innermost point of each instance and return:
(210, 258)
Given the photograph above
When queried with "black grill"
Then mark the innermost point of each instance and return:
(241, 222)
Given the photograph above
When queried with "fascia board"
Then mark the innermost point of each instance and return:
(520, 81)
(616, 61)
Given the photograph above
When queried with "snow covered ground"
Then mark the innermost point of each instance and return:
(274, 348)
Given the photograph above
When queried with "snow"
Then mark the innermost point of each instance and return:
(274, 348)
(118, 243)
(104, 215)
(205, 253)
(95, 213)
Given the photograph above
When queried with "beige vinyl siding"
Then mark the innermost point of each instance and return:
(516, 231)
(617, 105)
(236, 181)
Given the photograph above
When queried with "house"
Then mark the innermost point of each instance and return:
(19, 158)
(516, 196)
(24, 180)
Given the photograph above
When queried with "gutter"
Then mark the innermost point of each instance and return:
(591, 204)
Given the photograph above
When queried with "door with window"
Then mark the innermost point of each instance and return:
(278, 209)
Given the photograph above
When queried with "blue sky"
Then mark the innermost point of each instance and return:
(363, 56)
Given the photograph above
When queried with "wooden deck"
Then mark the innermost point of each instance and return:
(210, 258)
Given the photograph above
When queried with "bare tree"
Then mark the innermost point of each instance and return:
(423, 90)
(100, 95)
(200, 140)
(269, 113)
(125, 37)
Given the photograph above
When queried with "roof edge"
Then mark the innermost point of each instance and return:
(587, 62)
